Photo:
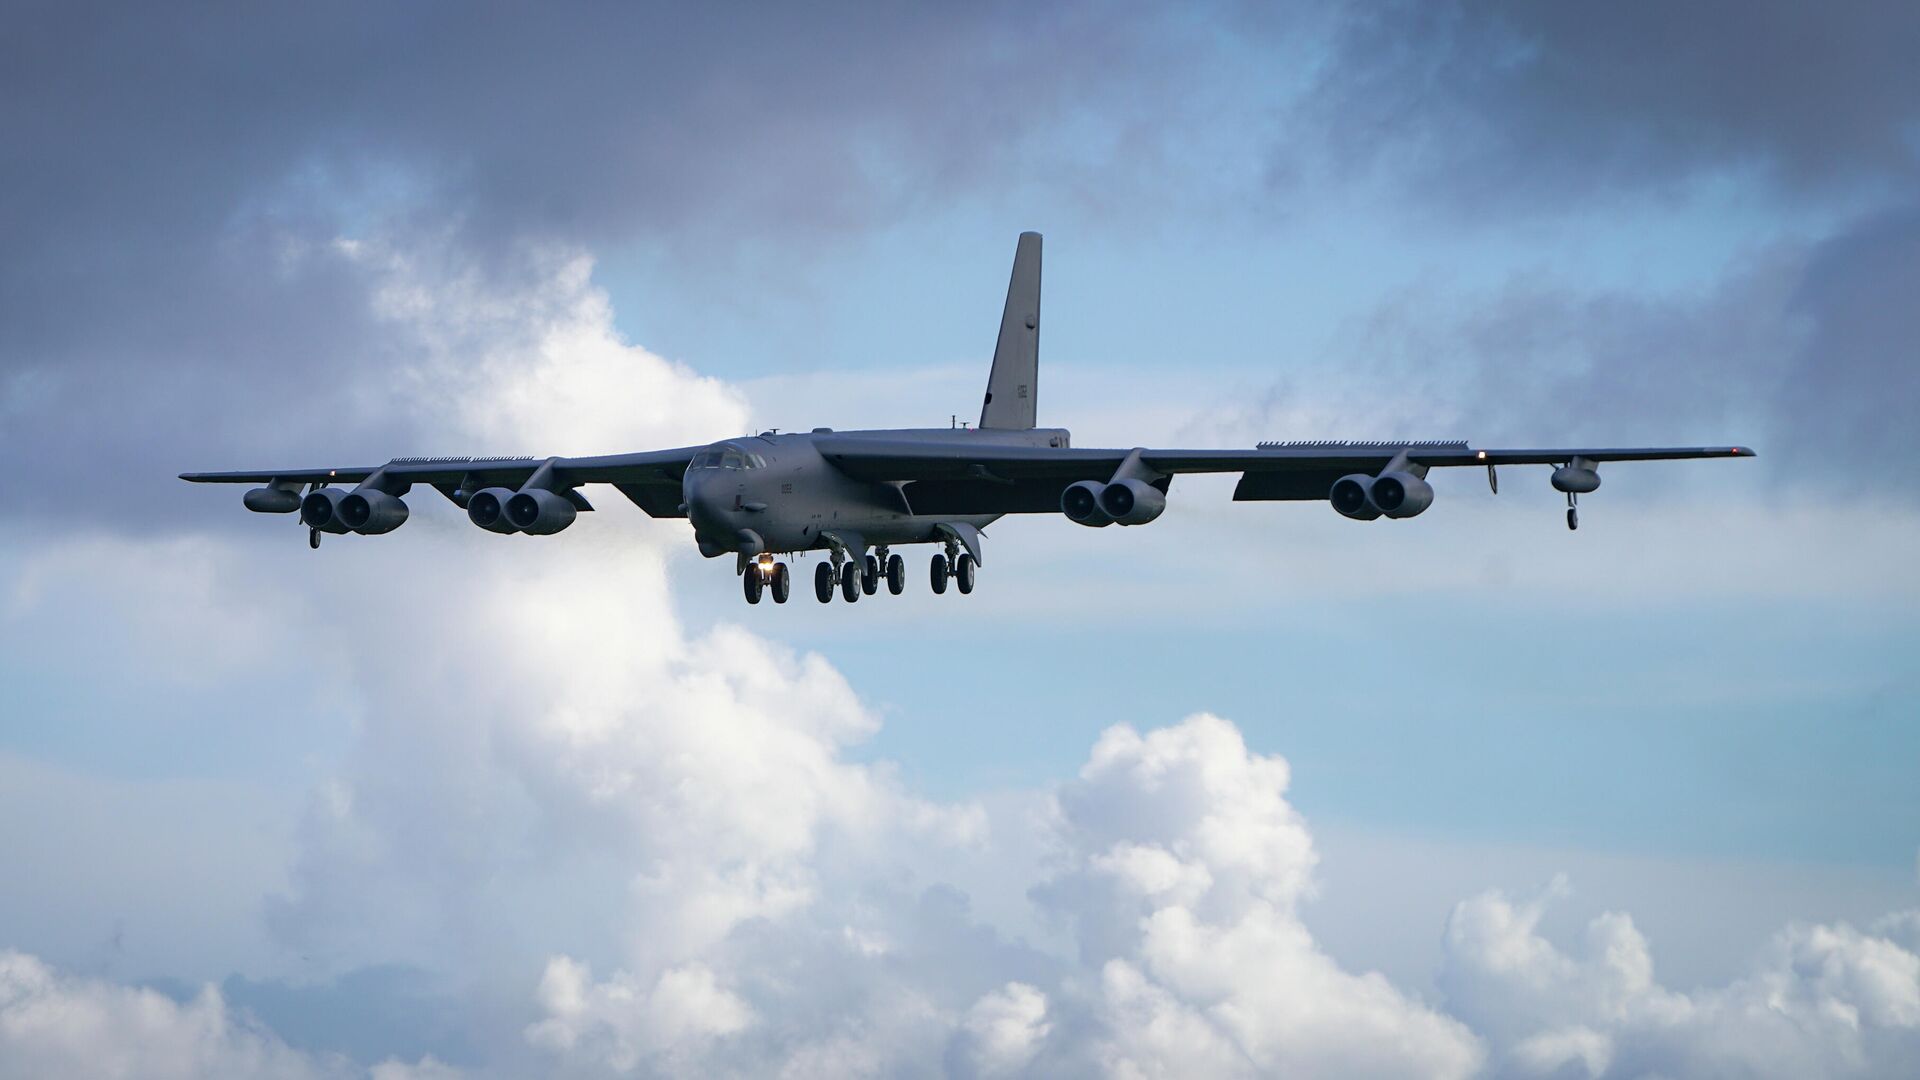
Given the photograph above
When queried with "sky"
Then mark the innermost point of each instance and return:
(1255, 790)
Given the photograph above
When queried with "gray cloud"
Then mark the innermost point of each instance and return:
(173, 183)
(1515, 104)
(1805, 352)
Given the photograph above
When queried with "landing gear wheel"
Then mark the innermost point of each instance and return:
(870, 575)
(753, 583)
(823, 582)
(896, 575)
(850, 581)
(963, 574)
(782, 583)
(939, 575)
(313, 539)
(1573, 518)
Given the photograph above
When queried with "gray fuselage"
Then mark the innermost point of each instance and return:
(777, 493)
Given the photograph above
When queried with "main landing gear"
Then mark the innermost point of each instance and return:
(962, 572)
(852, 578)
(765, 575)
(856, 576)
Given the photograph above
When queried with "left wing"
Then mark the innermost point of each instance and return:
(1013, 479)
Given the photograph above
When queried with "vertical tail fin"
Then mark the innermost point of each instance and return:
(1014, 386)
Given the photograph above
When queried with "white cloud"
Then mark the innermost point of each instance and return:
(1005, 1028)
(427, 1068)
(1186, 866)
(620, 1023)
(551, 776)
(1822, 1001)
(58, 1025)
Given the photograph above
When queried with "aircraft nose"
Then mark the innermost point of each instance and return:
(708, 502)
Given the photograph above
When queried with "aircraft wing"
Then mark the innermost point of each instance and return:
(1270, 472)
(651, 480)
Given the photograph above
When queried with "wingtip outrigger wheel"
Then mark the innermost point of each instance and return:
(313, 539)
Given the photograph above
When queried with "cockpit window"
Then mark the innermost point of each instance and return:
(726, 457)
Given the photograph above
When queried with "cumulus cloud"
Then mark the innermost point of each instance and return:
(628, 1023)
(56, 1024)
(1822, 1000)
(1005, 1028)
(1186, 866)
(629, 847)
(564, 753)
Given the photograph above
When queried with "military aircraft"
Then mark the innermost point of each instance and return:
(858, 494)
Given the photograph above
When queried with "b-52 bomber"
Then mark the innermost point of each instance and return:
(857, 495)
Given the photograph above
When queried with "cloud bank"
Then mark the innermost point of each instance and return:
(622, 847)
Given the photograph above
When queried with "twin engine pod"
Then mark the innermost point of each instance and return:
(1124, 502)
(366, 511)
(536, 512)
(1394, 494)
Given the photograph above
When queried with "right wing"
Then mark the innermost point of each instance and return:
(651, 480)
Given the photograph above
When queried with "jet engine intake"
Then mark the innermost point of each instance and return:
(1350, 496)
(1081, 503)
(1400, 495)
(540, 513)
(488, 509)
(321, 510)
(371, 512)
(1132, 502)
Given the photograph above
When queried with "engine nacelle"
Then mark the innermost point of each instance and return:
(1400, 495)
(1575, 481)
(540, 513)
(371, 512)
(1132, 502)
(321, 510)
(1081, 503)
(271, 500)
(1351, 496)
(488, 509)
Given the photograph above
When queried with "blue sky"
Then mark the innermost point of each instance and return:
(562, 806)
